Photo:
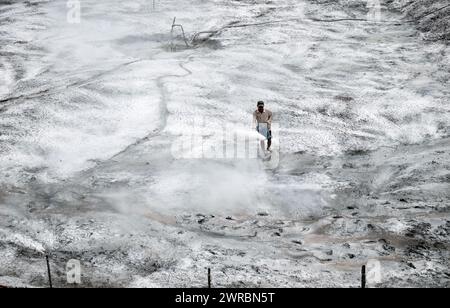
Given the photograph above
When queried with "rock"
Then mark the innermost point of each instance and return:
(348, 166)
(256, 269)
(344, 98)
(439, 245)
(411, 265)
(420, 229)
(389, 248)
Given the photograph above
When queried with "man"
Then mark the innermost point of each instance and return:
(262, 119)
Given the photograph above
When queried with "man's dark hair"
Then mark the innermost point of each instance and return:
(260, 103)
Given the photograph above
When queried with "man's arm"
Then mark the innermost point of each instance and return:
(254, 125)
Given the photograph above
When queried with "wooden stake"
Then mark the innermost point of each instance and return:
(49, 272)
(209, 278)
(363, 277)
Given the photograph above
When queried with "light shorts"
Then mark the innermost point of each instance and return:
(263, 129)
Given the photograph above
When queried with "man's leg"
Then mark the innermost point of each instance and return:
(269, 140)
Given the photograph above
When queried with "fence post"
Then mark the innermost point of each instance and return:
(49, 272)
(363, 277)
(209, 278)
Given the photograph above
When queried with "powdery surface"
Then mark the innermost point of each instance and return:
(90, 114)
(431, 16)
